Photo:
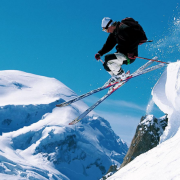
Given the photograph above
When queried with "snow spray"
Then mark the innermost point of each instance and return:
(149, 107)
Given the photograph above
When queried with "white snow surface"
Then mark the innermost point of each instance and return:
(20, 88)
(166, 95)
(36, 141)
(33, 152)
(162, 162)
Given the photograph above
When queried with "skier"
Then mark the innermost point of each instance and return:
(127, 35)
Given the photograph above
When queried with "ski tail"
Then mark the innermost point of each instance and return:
(148, 70)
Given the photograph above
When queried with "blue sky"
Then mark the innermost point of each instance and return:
(58, 38)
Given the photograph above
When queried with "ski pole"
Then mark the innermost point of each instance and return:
(151, 60)
(101, 60)
(148, 41)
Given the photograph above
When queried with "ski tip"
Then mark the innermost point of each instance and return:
(75, 121)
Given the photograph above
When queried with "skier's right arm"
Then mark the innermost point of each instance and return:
(109, 45)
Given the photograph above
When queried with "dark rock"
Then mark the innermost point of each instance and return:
(147, 136)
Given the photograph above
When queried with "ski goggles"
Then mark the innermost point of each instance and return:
(105, 30)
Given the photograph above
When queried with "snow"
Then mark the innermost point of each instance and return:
(36, 141)
(20, 88)
(169, 88)
(43, 146)
(162, 162)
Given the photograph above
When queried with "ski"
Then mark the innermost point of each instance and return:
(146, 65)
(84, 95)
(96, 104)
(98, 89)
(113, 89)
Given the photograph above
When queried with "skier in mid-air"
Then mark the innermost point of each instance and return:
(127, 35)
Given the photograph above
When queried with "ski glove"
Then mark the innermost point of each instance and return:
(97, 56)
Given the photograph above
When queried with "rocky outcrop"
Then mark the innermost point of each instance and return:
(113, 169)
(147, 136)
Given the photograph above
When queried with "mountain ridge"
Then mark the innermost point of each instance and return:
(42, 145)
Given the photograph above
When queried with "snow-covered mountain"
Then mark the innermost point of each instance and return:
(36, 141)
(162, 162)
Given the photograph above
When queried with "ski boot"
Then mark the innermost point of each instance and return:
(117, 78)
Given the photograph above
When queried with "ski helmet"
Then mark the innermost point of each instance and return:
(106, 22)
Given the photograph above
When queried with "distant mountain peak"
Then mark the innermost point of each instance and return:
(36, 133)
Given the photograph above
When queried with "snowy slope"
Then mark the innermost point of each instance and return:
(163, 161)
(20, 88)
(36, 140)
